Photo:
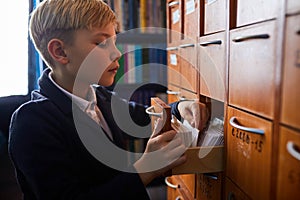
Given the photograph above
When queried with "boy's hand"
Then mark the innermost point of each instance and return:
(194, 112)
(163, 152)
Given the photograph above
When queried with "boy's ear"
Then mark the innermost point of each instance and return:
(56, 50)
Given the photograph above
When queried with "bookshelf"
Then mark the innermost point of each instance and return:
(142, 41)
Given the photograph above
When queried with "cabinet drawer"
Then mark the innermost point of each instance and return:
(173, 93)
(212, 65)
(249, 145)
(253, 11)
(206, 159)
(188, 66)
(189, 180)
(187, 95)
(291, 75)
(214, 16)
(288, 183)
(209, 186)
(190, 21)
(252, 68)
(174, 75)
(232, 192)
(202, 160)
(174, 21)
(176, 189)
(293, 6)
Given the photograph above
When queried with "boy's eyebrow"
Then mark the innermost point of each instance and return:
(106, 35)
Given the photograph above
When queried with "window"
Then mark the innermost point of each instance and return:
(14, 45)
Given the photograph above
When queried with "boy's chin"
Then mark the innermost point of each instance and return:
(106, 83)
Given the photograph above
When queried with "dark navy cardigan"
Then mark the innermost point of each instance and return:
(51, 161)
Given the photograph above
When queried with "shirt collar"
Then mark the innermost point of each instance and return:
(83, 104)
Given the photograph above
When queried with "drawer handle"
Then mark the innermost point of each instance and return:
(214, 42)
(153, 113)
(186, 45)
(252, 130)
(178, 198)
(183, 98)
(293, 150)
(251, 37)
(171, 48)
(173, 92)
(170, 184)
(211, 176)
(173, 3)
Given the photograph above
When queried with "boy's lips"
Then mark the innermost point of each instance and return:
(113, 69)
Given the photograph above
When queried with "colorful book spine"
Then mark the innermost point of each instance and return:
(143, 15)
(138, 64)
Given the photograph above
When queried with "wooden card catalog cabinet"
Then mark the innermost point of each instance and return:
(177, 189)
(252, 68)
(188, 66)
(173, 66)
(249, 145)
(174, 76)
(174, 21)
(190, 19)
(209, 186)
(188, 95)
(288, 181)
(214, 16)
(293, 6)
(212, 65)
(232, 192)
(253, 11)
(199, 159)
(290, 114)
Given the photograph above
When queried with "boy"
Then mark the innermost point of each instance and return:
(52, 137)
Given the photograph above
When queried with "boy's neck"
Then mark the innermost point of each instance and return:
(81, 89)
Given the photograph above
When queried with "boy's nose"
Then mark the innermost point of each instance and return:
(115, 55)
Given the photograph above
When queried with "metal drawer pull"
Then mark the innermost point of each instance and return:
(170, 184)
(173, 92)
(252, 130)
(183, 98)
(293, 150)
(178, 198)
(204, 44)
(211, 176)
(171, 48)
(153, 113)
(186, 45)
(251, 37)
(173, 3)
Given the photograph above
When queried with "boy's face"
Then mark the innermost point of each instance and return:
(93, 56)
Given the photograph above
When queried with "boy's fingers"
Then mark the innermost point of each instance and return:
(168, 135)
(157, 127)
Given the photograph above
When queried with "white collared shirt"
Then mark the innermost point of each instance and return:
(87, 106)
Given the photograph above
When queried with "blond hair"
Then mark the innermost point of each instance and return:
(60, 18)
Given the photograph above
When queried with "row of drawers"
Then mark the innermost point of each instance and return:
(249, 161)
(252, 81)
(194, 18)
(249, 154)
(252, 66)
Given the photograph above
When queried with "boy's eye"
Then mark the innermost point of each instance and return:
(102, 44)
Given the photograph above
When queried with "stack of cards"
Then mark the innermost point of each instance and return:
(214, 135)
(188, 134)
